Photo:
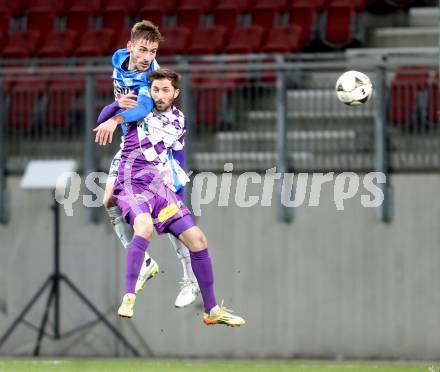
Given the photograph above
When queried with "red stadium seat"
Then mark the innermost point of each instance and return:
(434, 101)
(58, 44)
(25, 102)
(79, 20)
(130, 6)
(211, 92)
(358, 5)
(176, 41)
(63, 102)
(227, 12)
(122, 39)
(22, 45)
(203, 5)
(156, 10)
(190, 18)
(265, 12)
(5, 19)
(190, 12)
(242, 5)
(285, 39)
(166, 5)
(41, 20)
(56, 6)
(304, 15)
(115, 18)
(153, 12)
(408, 88)
(104, 89)
(340, 21)
(208, 41)
(316, 4)
(95, 43)
(245, 40)
(80, 14)
(14, 8)
(2, 39)
(93, 6)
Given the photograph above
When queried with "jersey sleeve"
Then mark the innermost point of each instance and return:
(108, 111)
(145, 105)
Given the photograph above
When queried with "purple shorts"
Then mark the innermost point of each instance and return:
(164, 205)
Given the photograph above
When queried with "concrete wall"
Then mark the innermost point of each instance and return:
(331, 284)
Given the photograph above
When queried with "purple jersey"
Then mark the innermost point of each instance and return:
(147, 173)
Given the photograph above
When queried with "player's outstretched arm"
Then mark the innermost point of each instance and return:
(124, 102)
(104, 131)
(143, 108)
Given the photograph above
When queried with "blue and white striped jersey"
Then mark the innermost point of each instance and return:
(125, 80)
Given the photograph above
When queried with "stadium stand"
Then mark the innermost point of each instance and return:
(285, 39)
(95, 43)
(176, 41)
(266, 13)
(208, 41)
(122, 38)
(157, 10)
(86, 28)
(434, 101)
(227, 12)
(14, 8)
(80, 13)
(58, 44)
(24, 107)
(340, 22)
(116, 16)
(409, 95)
(305, 14)
(245, 40)
(22, 45)
(63, 102)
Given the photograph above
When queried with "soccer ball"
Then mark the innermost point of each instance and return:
(354, 88)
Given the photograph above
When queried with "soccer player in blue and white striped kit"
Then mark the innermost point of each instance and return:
(130, 79)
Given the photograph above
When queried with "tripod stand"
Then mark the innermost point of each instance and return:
(53, 284)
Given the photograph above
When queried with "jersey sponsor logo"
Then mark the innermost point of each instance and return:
(168, 212)
(119, 91)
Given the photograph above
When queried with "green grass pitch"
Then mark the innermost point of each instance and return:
(139, 365)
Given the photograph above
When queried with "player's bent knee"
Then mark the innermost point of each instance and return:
(143, 226)
(199, 242)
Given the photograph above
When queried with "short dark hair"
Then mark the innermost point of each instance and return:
(146, 30)
(165, 73)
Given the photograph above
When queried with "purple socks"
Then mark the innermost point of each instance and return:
(202, 267)
(134, 260)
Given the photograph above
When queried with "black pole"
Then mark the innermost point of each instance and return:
(56, 254)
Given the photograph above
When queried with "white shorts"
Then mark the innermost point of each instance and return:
(114, 166)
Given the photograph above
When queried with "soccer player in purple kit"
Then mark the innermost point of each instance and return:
(145, 191)
(131, 67)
